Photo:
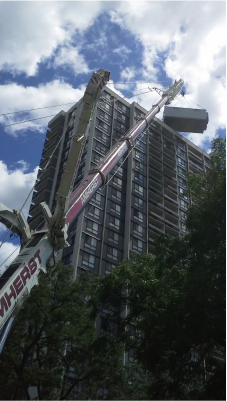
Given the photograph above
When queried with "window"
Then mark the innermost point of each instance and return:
(97, 199)
(97, 157)
(116, 194)
(109, 267)
(138, 202)
(80, 172)
(139, 189)
(94, 212)
(114, 222)
(183, 215)
(181, 171)
(101, 148)
(121, 107)
(104, 116)
(107, 106)
(139, 177)
(92, 227)
(181, 144)
(139, 155)
(182, 182)
(90, 242)
(88, 260)
(68, 259)
(181, 161)
(180, 152)
(113, 237)
(120, 126)
(118, 170)
(138, 215)
(137, 229)
(141, 145)
(137, 245)
(117, 181)
(115, 208)
(106, 95)
(102, 137)
(183, 204)
(182, 193)
(112, 252)
(183, 228)
(139, 165)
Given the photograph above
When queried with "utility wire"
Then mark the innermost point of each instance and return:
(136, 82)
(25, 121)
(38, 108)
(52, 115)
(49, 159)
(65, 104)
(84, 217)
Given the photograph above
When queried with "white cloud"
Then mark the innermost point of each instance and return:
(191, 36)
(122, 51)
(31, 31)
(128, 73)
(8, 251)
(15, 186)
(17, 97)
(69, 56)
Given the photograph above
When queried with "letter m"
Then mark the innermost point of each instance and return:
(3, 306)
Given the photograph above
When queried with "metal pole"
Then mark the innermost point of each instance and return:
(5, 331)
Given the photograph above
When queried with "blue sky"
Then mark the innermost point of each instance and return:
(50, 49)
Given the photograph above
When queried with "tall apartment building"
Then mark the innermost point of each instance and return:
(145, 194)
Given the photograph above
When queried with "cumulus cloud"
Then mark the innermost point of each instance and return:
(16, 184)
(69, 56)
(17, 97)
(8, 252)
(31, 31)
(185, 40)
(128, 73)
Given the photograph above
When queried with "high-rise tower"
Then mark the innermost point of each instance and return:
(144, 196)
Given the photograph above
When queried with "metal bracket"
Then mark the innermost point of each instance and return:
(96, 170)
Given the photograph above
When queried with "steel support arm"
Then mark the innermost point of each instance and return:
(96, 177)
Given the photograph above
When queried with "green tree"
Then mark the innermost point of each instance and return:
(170, 309)
(54, 346)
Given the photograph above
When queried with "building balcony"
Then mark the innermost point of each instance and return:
(155, 173)
(171, 231)
(196, 167)
(44, 184)
(172, 206)
(154, 229)
(51, 163)
(170, 193)
(155, 196)
(169, 172)
(155, 222)
(155, 184)
(155, 163)
(156, 208)
(43, 196)
(171, 218)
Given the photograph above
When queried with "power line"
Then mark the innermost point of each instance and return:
(136, 82)
(25, 121)
(52, 115)
(38, 108)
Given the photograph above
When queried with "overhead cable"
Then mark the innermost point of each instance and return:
(38, 108)
(26, 121)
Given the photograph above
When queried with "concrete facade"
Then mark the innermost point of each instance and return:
(144, 197)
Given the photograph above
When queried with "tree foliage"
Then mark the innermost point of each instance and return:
(162, 316)
(54, 345)
(172, 307)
